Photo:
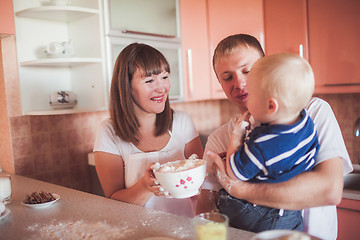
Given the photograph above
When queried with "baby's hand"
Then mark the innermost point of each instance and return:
(193, 156)
(239, 133)
(241, 123)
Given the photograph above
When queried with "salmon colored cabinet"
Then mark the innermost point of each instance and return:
(286, 27)
(195, 50)
(227, 17)
(204, 23)
(328, 31)
(334, 48)
(7, 25)
(348, 219)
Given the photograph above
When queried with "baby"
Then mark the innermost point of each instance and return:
(283, 146)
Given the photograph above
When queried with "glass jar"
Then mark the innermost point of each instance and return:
(5, 187)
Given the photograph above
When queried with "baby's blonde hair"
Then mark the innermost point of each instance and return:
(287, 77)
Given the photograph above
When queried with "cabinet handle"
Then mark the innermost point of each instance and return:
(341, 84)
(349, 209)
(191, 81)
(301, 50)
(148, 34)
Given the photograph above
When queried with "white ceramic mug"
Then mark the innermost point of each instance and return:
(68, 48)
(55, 48)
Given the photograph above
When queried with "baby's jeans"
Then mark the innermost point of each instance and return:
(255, 218)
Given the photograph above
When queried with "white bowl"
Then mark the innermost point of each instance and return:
(182, 178)
(63, 105)
(282, 234)
(60, 97)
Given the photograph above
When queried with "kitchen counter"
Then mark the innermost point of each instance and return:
(351, 194)
(78, 215)
(352, 186)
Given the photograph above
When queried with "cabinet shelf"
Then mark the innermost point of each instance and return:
(41, 75)
(57, 13)
(61, 111)
(60, 62)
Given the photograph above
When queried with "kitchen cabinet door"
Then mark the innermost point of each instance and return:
(348, 212)
(7, 25)
(171, 51)
(195, 50)
(286, 27)
(156, 23)
(228, 17)
(334, 48)
(142, 18)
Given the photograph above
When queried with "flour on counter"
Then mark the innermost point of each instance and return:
(81, 230)
(175, 230)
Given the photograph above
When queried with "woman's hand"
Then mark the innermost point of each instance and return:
(152, 183)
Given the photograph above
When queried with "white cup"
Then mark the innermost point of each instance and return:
(5, 187)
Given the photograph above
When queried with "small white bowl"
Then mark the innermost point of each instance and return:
(182, 178)
(282, 234)
(41, 205)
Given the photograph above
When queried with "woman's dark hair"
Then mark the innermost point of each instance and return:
(150, 61)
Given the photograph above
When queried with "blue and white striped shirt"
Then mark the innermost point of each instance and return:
(276, 153)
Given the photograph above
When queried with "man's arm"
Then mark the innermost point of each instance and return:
(321, 186)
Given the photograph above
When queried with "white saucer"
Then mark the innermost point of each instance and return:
(275, 234)
(63, 105)
(52, 55)
(158, 238)
(42, 205)
(4, 214)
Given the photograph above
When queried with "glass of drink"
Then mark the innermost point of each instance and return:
(211, 226)
(5, 187)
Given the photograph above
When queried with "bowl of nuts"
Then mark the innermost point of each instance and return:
(40, 200)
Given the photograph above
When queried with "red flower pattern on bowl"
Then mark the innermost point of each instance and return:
(183, 182)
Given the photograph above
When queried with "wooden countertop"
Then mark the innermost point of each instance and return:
(351, 194)
(352, 186)
(78, 214)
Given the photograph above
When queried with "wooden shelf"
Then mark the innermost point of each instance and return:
(61, 111)
(57, 13)
(60, 62)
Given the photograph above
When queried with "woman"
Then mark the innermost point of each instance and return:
(142, 129)
(232, 61)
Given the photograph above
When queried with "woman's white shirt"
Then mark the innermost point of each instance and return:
(136, 161)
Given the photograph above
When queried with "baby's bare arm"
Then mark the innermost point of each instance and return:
(236, 139)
